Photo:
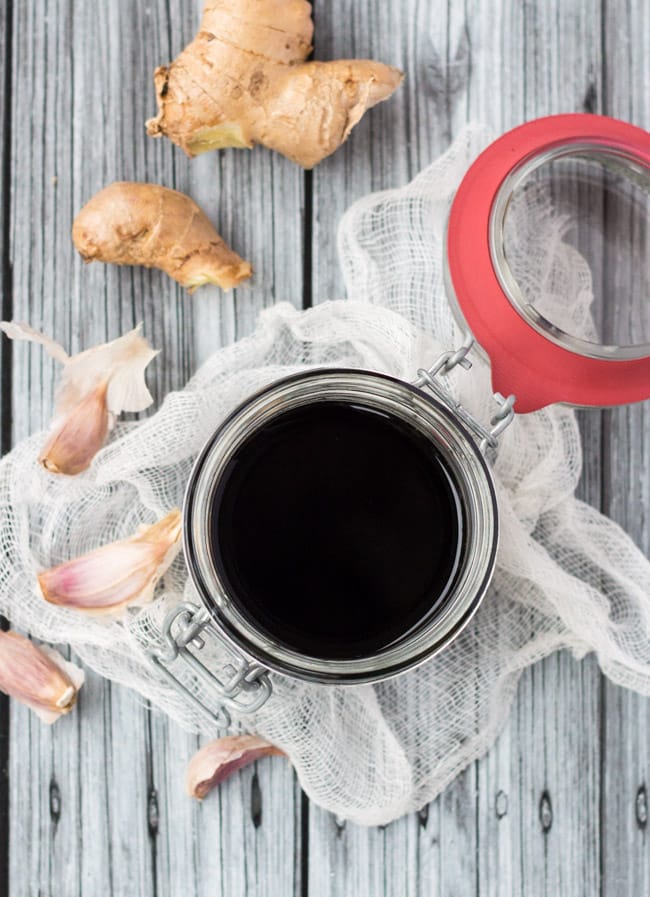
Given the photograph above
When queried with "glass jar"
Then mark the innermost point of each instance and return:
(533, 362)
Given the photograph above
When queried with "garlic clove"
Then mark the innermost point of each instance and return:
(38, 677)
(219, 759)
(78, 435)
(110, 578)
(96, 386)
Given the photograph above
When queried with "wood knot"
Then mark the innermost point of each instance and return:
(545, 812)
(256, 801)
(153, 814)
(55, 801)
(641, 807)
(590, 101)
(501, 804)
(423, 816)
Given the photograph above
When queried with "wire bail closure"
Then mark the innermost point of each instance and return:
(184, 632)
(443, 365)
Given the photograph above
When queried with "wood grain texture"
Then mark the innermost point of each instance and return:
(499, 63)
(539, 791)
(6, 97)
(626, 492)
(97, 805)
(559, 806)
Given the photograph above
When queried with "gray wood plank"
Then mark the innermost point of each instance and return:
(72, 836)
(499, 63)
(6, 33)
(225, 846)
(105, 813)
(537, 809)
(539, 787)
(436, 851)
(626, 448)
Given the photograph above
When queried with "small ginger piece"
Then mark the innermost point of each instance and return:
(129, 223)
(244, 80)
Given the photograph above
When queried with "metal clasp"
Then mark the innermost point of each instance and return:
(245, 686)
(444, 364)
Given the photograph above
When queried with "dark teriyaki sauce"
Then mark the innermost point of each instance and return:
(337, 529)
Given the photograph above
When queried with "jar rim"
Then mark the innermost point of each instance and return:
(456, 447)
(538, 365)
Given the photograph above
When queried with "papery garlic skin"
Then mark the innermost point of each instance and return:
(120, 363)
(219, 759)
(115, 576)
(19, 330)
(96, 387)
(38, 677)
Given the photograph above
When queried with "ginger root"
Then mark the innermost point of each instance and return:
(144, 224)
(244, 80)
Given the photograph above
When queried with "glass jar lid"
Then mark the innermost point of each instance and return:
(586, 166)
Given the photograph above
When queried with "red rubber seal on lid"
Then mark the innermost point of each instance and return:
(525, 362)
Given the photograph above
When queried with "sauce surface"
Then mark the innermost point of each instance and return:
(337, 529)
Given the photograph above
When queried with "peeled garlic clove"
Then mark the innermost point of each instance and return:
(38, 677)
(79, 435)
(96, 386)
(110, 578)
(219, 759)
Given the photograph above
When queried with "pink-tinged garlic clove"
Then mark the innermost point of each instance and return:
(96, 386)
(79, 435)
(38, 677)
(219, 759)
(110, 578)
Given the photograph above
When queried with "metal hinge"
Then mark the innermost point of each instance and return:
(431, 378)
(244, 687)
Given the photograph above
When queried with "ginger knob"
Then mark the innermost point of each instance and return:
(130, 223)
(244, 80)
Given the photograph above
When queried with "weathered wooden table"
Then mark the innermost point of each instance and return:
(95, 806)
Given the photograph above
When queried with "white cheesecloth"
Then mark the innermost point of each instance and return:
(566, 576)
